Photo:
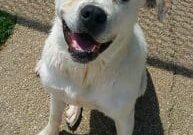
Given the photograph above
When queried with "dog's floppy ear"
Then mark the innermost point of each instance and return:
(162, 7)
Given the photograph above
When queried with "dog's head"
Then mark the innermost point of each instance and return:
(91, 26)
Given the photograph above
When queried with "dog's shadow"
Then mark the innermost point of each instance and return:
(147, 119)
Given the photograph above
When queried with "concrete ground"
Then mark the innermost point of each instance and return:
(166, 108)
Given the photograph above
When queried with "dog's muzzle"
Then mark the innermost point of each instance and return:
(92, 19)
(81, 45)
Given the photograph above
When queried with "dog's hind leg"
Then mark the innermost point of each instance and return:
(73, 116)
(143, 83)
(125, 125)
(56, 111)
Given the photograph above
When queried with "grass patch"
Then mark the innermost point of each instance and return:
(7, 23)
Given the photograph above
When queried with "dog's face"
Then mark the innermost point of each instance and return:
(91, 26)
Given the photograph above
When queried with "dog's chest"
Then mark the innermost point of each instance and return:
(86, 87)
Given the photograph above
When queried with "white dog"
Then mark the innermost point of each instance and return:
(95, 55)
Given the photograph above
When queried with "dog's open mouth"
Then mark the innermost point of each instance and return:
(83, 47)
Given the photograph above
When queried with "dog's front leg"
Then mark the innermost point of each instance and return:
(56, 110)
(73, 115)
(125, 125)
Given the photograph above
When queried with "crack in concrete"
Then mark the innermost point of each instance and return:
(174, 72)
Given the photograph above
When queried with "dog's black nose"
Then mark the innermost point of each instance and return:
(93, 17)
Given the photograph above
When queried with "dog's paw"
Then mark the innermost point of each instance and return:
(49, 131)
(73, 116)
(37, 68)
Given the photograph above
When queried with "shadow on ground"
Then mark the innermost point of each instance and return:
(147, 118)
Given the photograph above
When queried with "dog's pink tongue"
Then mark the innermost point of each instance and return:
(83, 42)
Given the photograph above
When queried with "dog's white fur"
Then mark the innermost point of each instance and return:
(111, 83)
